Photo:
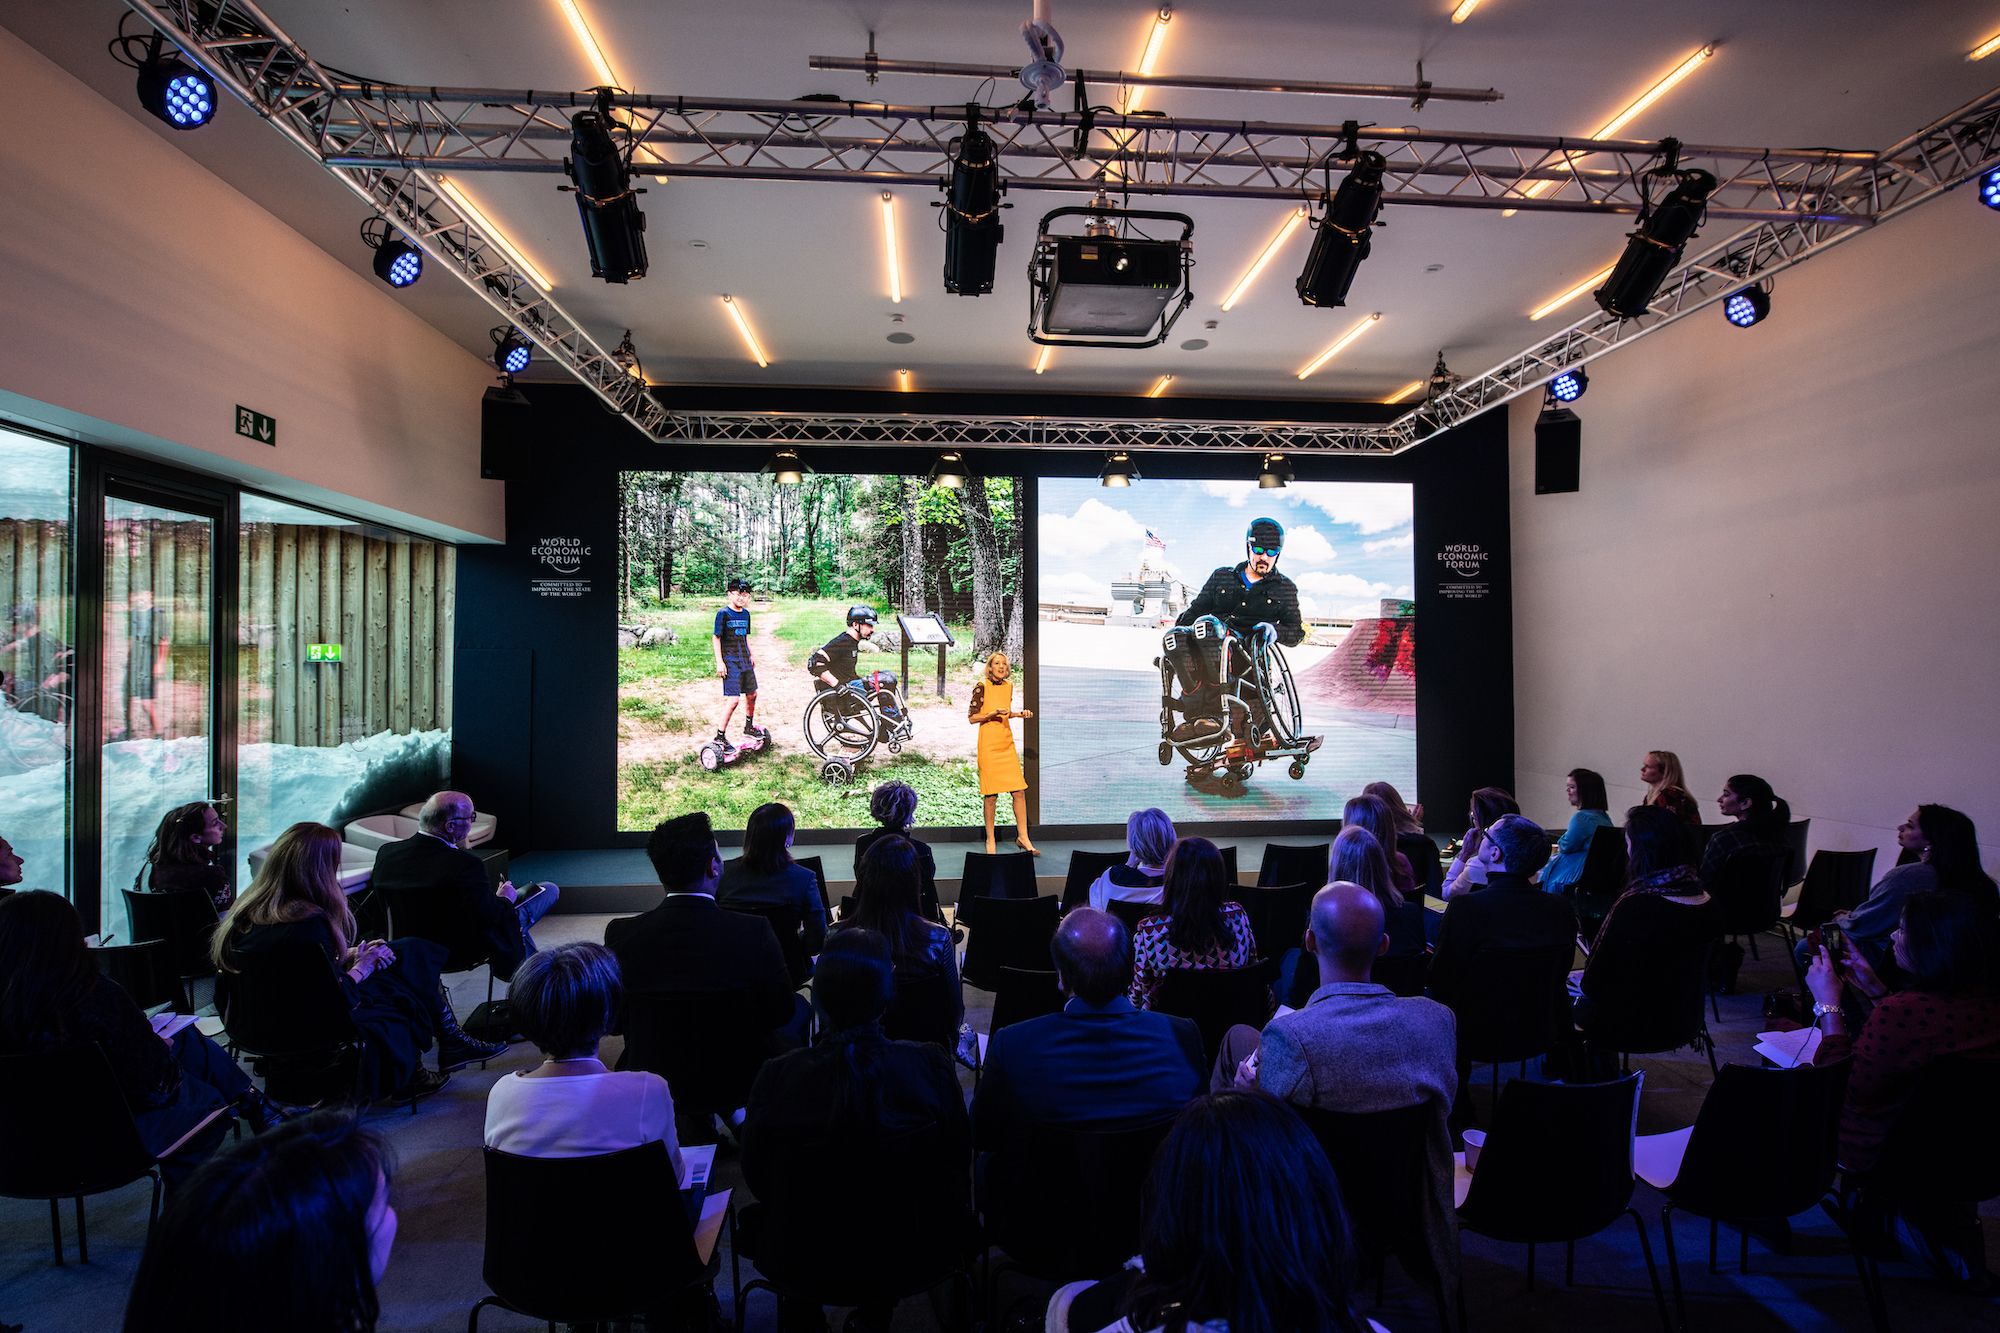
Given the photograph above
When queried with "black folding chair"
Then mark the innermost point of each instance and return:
(1279, 915)
(1131, 913)
(784, 921)
(1835, 882)
(1217, 999)
(818, 867)
(1229, 873)
(1286, 864)
(146, 972)
(1084, 870)
(707, 1045)
(1022, 994)
(1676, 1016)
(1796, 834)
(624, 1247)
(1750, 888)
(1010, 932)
(185, 919)
(925, 1009)
(1380, 1159)
(428, 915)
(1001, 875)
(287, 1012)
(1601, 880)
(1062, 1203)
(1426, 862)
(1511, 1007)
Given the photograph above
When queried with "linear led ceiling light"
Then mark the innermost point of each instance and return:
(1652, 251)
(1119, 470)
(1340, 343)
(1588, 284)
(1154, 41)
(1275, 474)
(1298, 216)
(735, 309)
(889, 248)
(511, 351)
(1042, 361)
(1631, 113)
(1464, 10)
(1159, 386)
(1342, 237)
(1404, 392)
(588, 40)
(613, 226)
(949, 471)
(1984, 49)
(903, 381)
(450, 190)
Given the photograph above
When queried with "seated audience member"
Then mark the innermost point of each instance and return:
(1357, 859)
(1372, 814)
(885, 901)
(10, 868)
(767, 876)
(392, 987)
(1202, 927)
(1638, 956)
(1237, 1165)
(1585, 790)
(289, 1230)
(854, 1087)
(1666, 785)
(564, 1000)
(184, 855)
(1411, 840)
(1949, 945)
(893, 807)
(182, 1093)
(689, 943)
(1099, 1064)
(1509, 913)
(1468, 869)
(486, 926)
(1758, 817)
(1948, 847)
(1149, 840)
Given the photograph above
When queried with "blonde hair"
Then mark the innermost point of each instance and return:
(1670, 775)
(300, 878)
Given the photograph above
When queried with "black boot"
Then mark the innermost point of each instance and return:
(455, 1049)
(261, 1113)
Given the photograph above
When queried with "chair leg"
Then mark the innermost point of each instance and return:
(1714, 1007)
(55, 1225)
(1753, 948)
(1652, 1269)
(1673, 1264)
(82, 1237)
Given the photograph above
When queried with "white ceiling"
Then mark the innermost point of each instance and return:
(806, 259)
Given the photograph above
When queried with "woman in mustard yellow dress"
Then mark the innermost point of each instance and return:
(999, 762)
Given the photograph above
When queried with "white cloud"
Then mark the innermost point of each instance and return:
(1093, 527)
(1369, 506)
(1237, 493)
(1305, 546)
(1077, 589)
(1341, 585)
(1308, 607)
(1390, 543)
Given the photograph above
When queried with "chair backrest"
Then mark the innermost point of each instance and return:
(818, 867)
(1218, 999)
(1063, 1202)
(1557, 1164)
(1795, 839)
(1378, 1158)
(184, 918)
(1765, 1142)
(425, 913)
(1512, 1002)
(1426, 862)
(1084, 869)
(68, 1128)
(1750, 888)
(1001, 875)
(146, 971)
(1132, 912)
(707, 1045)
(1835, 882)
(1602, 878)
(1287, 864)
(1404, 975)
(1936, 1149)
(1229, 873)
(287, 1000)
(1676, 1010)
(925, 1009)
(1279, 914)
(1699, 834)
(582, 1240)
(1021, 994)
(784, 922)
(1010, 932)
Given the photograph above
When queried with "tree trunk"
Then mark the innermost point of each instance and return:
(624, 551)
(1016, 640)
(913, 548)
(987, 629)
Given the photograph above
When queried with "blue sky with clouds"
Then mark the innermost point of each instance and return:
(1347, 544)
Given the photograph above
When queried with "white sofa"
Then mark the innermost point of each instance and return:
(375, 832)
(357, 863)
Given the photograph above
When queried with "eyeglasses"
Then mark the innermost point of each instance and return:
(1271, 551)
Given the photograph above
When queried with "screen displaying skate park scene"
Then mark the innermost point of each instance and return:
(1160, 686)
(793, 688)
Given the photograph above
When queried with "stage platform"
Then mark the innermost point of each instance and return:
(622, 880)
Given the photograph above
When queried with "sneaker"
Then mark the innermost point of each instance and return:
(1195, 729)
(421, 1085)
(755, 733)
(457, 1052)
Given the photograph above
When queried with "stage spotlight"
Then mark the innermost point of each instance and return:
(511, 351)
(1119, 470)
(1989, 188)
(1746, 307)
(787, 468)
(1341, 236)
(1277, 473)
(627, 357)
(175, 91)
(1652, 251)
(397, 262)
(1101, 289)
(972, 229)
(1569, 386)
(949, 471)
(613, 226)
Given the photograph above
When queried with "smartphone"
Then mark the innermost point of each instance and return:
(1836, 943)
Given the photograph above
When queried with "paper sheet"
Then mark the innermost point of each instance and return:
(166, 1025)
(1789, 1050)
(699, 1160)
(708, 1228)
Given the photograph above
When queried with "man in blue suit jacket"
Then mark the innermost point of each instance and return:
(1099, 1064)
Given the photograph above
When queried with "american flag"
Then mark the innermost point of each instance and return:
(1153, 539)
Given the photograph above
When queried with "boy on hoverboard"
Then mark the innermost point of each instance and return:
(738, 670)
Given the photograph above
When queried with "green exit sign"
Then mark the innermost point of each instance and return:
(322, 652)
(256, 425)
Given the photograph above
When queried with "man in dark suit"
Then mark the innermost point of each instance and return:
(1509, 913)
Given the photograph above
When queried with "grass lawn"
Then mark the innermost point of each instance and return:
(948, 794)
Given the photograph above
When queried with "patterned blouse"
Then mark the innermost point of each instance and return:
(1153, 955)
(1906, 1032)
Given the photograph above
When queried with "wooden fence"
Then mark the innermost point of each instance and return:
(34, 577)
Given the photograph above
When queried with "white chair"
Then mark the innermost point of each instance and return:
(357, 864)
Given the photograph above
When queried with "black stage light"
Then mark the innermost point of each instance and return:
(613, 226)
(1104, 290)
(1570, 385)
(1276, 472)
(1119, 470)
(397, 262)
(1989, 188)
(972, 228)
(786, 467)
(1744, 308)
(175, 91)
(949, 471)
(1341, 236)
(1652, 251)
(1558, 451)
(511, 351)
(627, 357)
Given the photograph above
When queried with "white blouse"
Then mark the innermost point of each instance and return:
(581, 1115)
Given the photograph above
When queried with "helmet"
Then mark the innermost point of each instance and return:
(860, 615)
(1266, 532)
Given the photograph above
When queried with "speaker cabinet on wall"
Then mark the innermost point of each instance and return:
(503, 434)
(1558, 452)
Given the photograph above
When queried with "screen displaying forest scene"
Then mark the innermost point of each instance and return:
(760, 657)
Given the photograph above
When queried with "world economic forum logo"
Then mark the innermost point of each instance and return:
(562, 554)
(1465, 559)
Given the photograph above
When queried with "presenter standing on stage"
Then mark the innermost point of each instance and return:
(999, 762)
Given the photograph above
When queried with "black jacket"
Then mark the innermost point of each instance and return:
(1509, 913)
(465, 915)
(838, 655)
(1241, 606)
(691, 943)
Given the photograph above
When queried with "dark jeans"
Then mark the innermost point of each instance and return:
(212, 1081)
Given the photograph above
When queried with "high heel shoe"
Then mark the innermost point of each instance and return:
(1027, 847)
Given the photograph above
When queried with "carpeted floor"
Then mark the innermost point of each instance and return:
(434, 1277)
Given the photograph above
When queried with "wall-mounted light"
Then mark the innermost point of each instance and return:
(735, 309)
(1119, 470)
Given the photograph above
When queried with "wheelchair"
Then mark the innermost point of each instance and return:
(843, 726)
(1255, 682)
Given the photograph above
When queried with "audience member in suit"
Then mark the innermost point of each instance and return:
(1372, 814)
(1149, 840)
(1357, 859)
(1468, 869)
(478, 925)
(690, 943)
(289, 1229)
(1948, 944)
(854, 1086)
(1637, 958)
(1758, 817)
(766, 876)
(1666, 785)
(1357, 1048)
(1509, 913)
(1585, 790)
(893, 807)
(1101, 1063)
(1201, 928)
(294, 909)
(885, 901)
(1947, 847)
(1238, 1164)
(185, 855)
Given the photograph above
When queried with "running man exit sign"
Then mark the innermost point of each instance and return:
(256, 425)
(322, 652)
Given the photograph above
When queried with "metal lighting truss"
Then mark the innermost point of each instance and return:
(1033, 432)
(385, 141)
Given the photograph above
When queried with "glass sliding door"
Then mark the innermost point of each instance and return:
(38, 670)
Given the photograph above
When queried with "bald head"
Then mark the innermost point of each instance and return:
(442, 811)
(1346, 931)
(1093, 956)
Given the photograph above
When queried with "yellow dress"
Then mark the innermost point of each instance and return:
(999, 762)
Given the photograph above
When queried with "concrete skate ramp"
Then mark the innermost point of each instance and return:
(1373, 670)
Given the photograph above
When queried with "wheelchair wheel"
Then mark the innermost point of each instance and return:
(1166, 753)
(840, 725)
(1281, 697)
(1297, 770)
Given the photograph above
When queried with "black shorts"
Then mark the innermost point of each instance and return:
(740, 680)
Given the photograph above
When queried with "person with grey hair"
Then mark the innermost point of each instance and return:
(1508, 913)
(893, 807)
(564, 1000)
(1149, 837)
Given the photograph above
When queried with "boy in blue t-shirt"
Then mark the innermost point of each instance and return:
(734, 664)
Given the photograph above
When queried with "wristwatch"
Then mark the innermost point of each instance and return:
(1822, 1010)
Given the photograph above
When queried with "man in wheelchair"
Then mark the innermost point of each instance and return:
(1209, 644)
(833, 667)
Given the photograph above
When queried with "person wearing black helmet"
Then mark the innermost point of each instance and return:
(1254, 601)
(734, 664)
(834, 663)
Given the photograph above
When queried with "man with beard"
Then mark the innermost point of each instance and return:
(1251, 600)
